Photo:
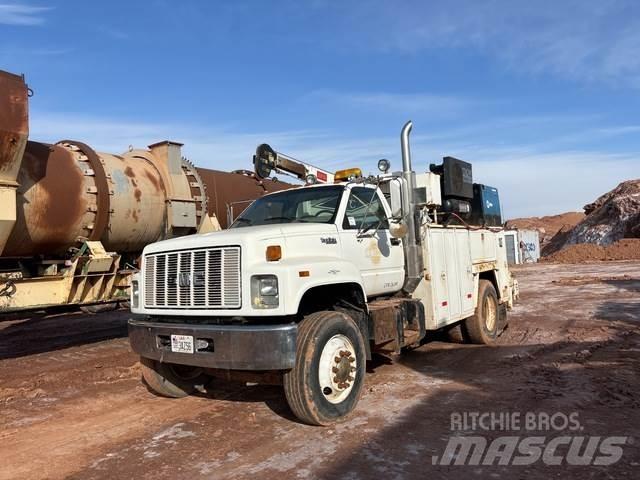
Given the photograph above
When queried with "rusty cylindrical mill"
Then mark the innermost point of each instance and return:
(73, 220)
(14, 130)
(57, 196)
(69, 193)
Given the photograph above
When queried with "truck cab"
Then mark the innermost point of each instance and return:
(307, 283)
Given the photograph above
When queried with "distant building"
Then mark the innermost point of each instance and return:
(523, 246)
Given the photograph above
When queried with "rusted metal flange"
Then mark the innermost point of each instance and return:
(103, 200)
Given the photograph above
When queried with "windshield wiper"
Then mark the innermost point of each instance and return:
(278, 218)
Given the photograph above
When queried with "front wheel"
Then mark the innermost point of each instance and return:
(170, 379)
(326, 382)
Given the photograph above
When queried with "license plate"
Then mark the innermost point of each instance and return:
(182, 343)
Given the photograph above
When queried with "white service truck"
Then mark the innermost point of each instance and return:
(309, 282)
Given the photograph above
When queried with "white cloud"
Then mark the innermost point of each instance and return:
(535, 184)
(400, 102)
(114, 33)
(23, 15)
(577, 39)
(533, 179)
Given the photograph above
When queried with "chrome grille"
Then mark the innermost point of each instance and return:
(203, 278)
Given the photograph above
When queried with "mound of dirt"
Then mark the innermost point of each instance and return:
(548, 226)
(625, 249)
(612, 217)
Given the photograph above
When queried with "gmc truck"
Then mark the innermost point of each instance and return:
(309, 282)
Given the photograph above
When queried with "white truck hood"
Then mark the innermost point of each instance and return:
(290, 233)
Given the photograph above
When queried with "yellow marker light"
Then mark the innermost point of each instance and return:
(274, 253)
(303, 273)
(343, 175)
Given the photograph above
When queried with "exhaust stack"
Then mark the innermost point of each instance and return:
(412, 250)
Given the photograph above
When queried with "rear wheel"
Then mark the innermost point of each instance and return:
(326, 382)
(482, 327)
(170, 379)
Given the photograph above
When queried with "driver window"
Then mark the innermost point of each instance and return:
(364, 210)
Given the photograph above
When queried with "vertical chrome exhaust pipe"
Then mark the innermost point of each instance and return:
(404, 145)
(414, 262)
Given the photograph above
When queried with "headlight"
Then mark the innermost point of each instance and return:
(135, 293)
(264, 291)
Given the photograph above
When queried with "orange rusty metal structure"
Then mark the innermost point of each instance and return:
(68, 193)
(71, 216)
(14, 130)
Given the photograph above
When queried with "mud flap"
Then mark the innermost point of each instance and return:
(502, 318)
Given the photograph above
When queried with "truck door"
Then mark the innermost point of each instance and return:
(364, 232)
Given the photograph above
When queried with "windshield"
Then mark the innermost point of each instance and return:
(300, 205)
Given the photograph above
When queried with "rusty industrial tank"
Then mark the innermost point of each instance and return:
(73, 221)
(68, 193)
(57, 196)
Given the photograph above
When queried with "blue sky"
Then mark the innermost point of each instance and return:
(542, 97)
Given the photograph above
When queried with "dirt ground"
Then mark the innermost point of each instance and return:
(625, 249)
(72, 405)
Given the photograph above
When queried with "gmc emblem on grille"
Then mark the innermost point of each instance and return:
(198, 279)
(184, 279)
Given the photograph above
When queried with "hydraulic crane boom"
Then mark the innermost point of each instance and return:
(267, 159)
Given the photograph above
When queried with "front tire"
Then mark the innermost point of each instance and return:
(172, 380)
(482, 327)
(326, 382)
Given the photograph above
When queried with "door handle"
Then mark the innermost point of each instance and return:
(395, 241)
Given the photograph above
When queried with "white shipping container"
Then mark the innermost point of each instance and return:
(529, 245)
(523, 246)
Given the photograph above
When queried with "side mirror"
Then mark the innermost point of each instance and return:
(395, 197)
(397, 228)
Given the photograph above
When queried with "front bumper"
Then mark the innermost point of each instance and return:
(234, 347)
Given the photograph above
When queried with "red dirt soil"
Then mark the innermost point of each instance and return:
(72, 405)
(547, 226)
(551, 223)
(625, 249)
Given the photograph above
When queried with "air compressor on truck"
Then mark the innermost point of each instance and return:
(309, 282)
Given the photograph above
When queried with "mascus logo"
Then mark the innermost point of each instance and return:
(328, 240)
